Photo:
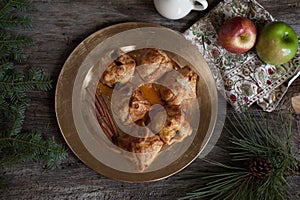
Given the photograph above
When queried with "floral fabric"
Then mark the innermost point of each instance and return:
(243, 79)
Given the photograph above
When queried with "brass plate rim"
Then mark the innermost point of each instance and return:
(63, 103)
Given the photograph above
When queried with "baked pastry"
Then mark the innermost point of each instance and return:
(152, 64)
(129, 105)
(121, 70)
(145, 131)
(138, 106)
(143, 150)
(172, 130)
(191, 77)
(120, 104)
(178, 86)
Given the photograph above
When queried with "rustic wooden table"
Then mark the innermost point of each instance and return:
(58, 27)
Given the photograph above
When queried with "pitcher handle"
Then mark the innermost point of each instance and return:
(203, 4)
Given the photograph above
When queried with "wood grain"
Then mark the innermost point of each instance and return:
(296, 104)
(58, 27)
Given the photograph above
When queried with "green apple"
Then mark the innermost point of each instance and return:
(277, 43)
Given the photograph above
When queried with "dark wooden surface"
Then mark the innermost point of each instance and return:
(58, 27)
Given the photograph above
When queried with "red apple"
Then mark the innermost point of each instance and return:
(237, 35)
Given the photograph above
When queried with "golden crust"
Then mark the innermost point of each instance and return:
(121, 70)
(190, 76)
(152, 64)
(176, 91)
(144, 150)
(138, 106)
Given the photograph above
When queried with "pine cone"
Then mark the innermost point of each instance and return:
(259, 167)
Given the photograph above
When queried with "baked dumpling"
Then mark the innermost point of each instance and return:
(120, 103)
(144, 150)
(138, 106)
(129, 106)
(178, 86)
(121, 70)
(174, 122)
(190, 76)
(152, 64)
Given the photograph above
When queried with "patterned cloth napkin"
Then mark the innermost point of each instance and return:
(242, 79)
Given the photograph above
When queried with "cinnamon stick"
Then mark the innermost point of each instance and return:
(105, 111)
(107, 131)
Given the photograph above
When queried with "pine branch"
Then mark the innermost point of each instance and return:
(254, 141)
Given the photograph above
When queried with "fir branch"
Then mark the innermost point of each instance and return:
(2, 183)
(18, 119)
(22, 5)
(4, 67)
(11, 46)
(15, 21)
(6, 7)
(31, 146)
(15, 145)
(16, 40)
(34, 79)
(13, 86)
(8, 18)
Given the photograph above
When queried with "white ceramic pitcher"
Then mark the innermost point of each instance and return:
(176, 9)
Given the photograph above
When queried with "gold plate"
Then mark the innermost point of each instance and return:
(74, 107)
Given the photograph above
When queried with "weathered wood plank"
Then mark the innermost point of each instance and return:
(58, 27)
